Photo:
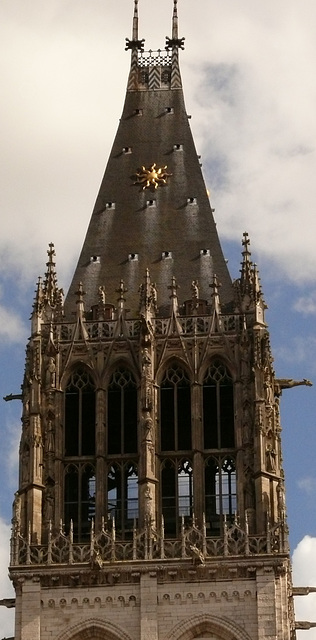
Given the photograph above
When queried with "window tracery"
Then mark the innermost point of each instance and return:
(220, 492)
(176, 493)
(80, 481)
(122, 413)
(175, 410)
(218, 407)
(80, 414)
(122, 495)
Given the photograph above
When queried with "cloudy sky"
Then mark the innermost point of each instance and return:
(250, 85)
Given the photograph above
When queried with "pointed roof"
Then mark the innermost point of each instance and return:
(152, 211)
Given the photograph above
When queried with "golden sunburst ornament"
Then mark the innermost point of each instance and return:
(152, 177)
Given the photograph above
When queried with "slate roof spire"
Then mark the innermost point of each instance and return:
(152, 211)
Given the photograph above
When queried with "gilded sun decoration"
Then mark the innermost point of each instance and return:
(152, 177)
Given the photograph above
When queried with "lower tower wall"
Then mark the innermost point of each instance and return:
(230, 602)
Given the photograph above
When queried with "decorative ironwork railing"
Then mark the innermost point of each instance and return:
(148, 544)
(187, 325)
(151, 58)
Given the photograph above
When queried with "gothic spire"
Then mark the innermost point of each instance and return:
(144, 224)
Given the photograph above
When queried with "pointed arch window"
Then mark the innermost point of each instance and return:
(80, 414)
(122, 413)
(79, 499)
(175, 410)
(218, 407)
(176, 493)
(220, 492)
(122, 496)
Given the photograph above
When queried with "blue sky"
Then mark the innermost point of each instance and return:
(250, 85)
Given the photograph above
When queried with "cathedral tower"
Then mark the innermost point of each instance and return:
(151, 490)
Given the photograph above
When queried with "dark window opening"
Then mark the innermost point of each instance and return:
(122, 497)
(122, 413)
(176, 494)
(175, 411)
(79, 499)
(80, 415)
(218, 408)
(220, 493)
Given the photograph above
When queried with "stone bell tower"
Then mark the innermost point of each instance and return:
(151, 492)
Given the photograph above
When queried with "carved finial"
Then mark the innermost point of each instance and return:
(101, 295)
(38, 299)
(121, 290)
(121, 299)
(215, 285)
(173, 287)
(80, 293)
(246, 262)
(195, 295)
(148, 295)
(50, 283)
(174, 295)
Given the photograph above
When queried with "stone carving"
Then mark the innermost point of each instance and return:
(147, 379)
(269, 392)
(270, 458)
(16, 516)
(51, 373)
(148, 424)
(281, 500)
(148, 506)
(49, 501)
(49, 437)
(289, 383)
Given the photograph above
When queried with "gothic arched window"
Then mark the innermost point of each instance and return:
(122, 495)
(176, 493)
(80, 498)
(175, 411)
(80, 414)
(122, 413)
(218, 407)
(220, 492)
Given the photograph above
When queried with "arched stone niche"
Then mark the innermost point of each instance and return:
(207, 627)
(94, 630)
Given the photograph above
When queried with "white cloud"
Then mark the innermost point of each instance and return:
(6, 589)
(12, 329)
(306, 304)
(304, 574)
(308, 485)
(301, 348)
